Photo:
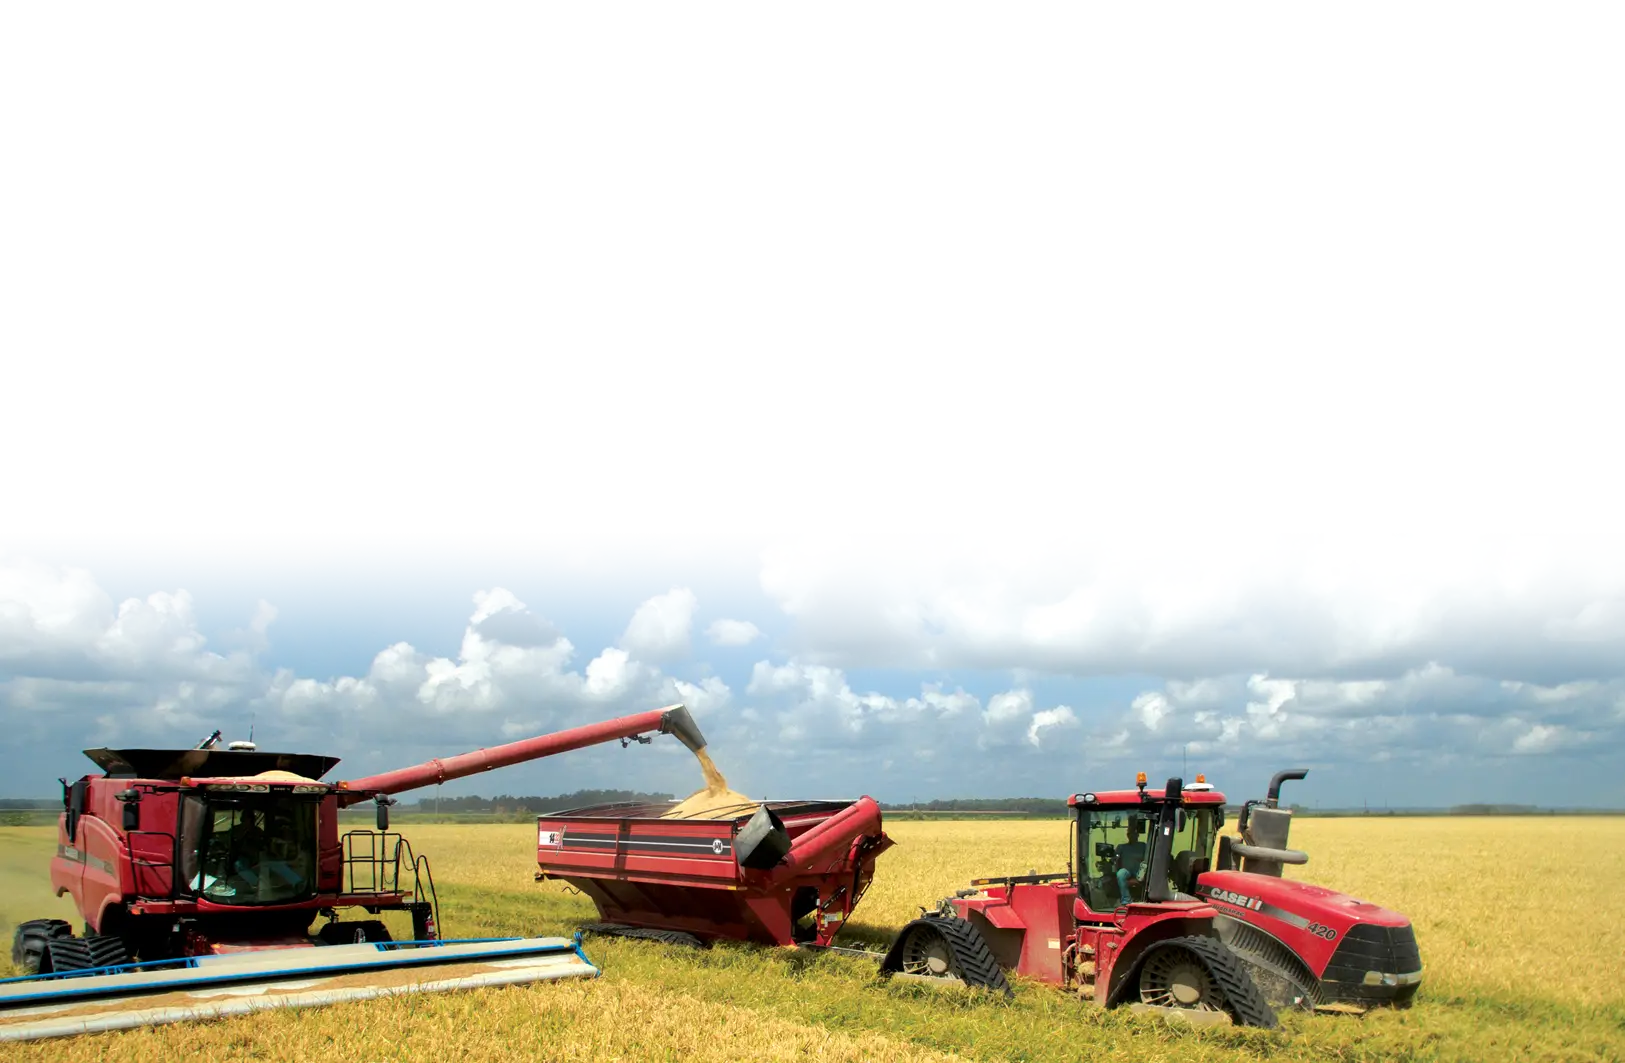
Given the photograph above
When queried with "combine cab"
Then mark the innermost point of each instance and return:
(778, 873)
(1147, 917)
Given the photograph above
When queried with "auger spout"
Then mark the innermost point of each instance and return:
(674, 720)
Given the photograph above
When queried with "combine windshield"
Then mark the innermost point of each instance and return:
(248, 850)
(1114, 853)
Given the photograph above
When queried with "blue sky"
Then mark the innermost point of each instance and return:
(1406, 670)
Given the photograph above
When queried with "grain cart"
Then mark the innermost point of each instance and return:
(206, 851)
(773, 873)
(1142, 916)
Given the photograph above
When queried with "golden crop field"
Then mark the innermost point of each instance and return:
(1520, 920)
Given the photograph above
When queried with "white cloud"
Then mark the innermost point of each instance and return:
(1126, 601)
(298, 546)
(584, 558)
(519, 542)
(140, 671)
(733, 632)
(659, 630)
(1048, 721)
(580, 551)
(817, 700)
(60, 623)
(1426, 716)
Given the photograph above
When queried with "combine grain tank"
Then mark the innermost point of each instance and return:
(775, 873)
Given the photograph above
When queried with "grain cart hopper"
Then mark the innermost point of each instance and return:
(185, 853)
(1141, 918)
(774, 873)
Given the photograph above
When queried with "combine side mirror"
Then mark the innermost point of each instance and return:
(383, 801)
(131, 800)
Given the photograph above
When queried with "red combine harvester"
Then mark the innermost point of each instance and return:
(1146, 915)
(191, 852)
(778, 873)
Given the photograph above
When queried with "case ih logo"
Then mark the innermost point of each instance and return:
(550, 838)
(1240, 901)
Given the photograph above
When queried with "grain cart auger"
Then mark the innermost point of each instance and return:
(194, 867)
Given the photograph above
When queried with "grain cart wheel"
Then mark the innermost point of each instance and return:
(1200, 974)
(30, 952)
(947, 948)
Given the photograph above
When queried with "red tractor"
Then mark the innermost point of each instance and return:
(1147, 914)
(190, 852)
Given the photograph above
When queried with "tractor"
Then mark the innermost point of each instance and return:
(1146, 914)
(173, 853)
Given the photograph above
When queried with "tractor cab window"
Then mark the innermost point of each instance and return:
(248, 850)
(1192, 849)
(1114, 855)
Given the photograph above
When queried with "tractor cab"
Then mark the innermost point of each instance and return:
(1138, 846)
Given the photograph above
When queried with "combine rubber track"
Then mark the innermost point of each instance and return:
(971, 961)
(1242, 1000)
(30, 949)
(83, 954)
(669, 937)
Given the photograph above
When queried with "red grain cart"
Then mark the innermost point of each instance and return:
(781, 873)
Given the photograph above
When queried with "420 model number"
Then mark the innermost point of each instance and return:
(1321, 930)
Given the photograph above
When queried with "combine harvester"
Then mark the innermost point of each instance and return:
(199, 873)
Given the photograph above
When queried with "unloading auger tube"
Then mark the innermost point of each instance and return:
(673, 720)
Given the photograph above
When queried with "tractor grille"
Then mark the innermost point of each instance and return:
(1382, 949)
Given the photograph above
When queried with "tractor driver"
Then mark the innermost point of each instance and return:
(1130, 861)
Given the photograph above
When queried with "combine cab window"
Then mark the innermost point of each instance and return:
(1114, 847)
(247, 850)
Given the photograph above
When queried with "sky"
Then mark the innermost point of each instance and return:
(1403, 668)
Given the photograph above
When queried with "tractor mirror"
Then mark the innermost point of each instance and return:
(1179, 821)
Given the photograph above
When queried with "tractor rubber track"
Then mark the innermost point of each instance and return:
(669, 937)
(973, 962)
(1279, 974)
(1242, 999)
